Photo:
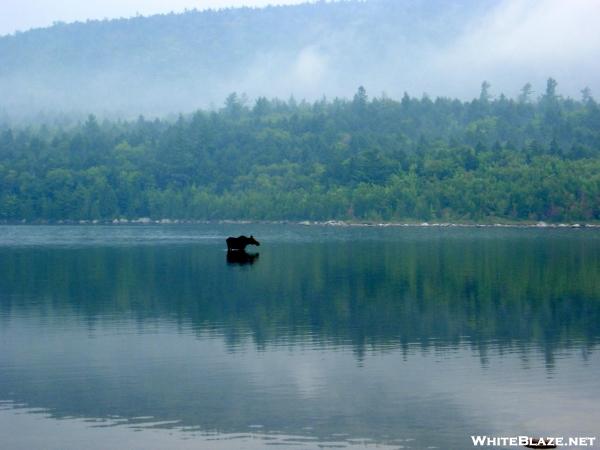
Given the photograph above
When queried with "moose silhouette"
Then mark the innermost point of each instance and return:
(239, 243)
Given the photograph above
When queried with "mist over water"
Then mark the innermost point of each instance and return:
(178, 63)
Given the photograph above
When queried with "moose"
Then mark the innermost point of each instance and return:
(240, 243)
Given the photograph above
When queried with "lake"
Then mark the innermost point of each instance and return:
(148, 337)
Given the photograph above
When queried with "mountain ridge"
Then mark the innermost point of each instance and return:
(160, 64)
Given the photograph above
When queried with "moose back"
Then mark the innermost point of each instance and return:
(240, 243)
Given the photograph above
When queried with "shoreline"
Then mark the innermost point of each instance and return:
(330, 223)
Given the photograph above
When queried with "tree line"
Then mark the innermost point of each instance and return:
(362, 158)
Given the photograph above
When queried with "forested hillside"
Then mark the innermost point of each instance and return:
(363, 159)
(175, 63)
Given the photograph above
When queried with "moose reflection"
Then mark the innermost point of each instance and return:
(241, 258)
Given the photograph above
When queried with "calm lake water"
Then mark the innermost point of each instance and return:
(128, 337)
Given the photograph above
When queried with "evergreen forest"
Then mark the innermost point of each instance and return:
(530, 158)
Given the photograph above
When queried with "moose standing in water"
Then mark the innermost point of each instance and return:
(240, 243)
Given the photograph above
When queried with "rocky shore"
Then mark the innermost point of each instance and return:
(330, 223)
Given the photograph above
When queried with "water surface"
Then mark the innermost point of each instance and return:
(148, 337)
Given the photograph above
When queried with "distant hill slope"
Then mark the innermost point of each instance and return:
(176, 62)
(179, 62)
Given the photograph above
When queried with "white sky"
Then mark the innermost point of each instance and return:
(22, 15)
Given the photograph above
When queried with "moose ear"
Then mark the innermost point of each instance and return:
(252, 236)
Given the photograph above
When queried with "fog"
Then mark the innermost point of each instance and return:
(178, 63)
(22, 15)
(523, 40)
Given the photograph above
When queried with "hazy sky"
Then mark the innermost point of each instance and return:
(22, 15)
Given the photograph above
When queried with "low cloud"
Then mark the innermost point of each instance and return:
(524, 40)
(446, 52)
